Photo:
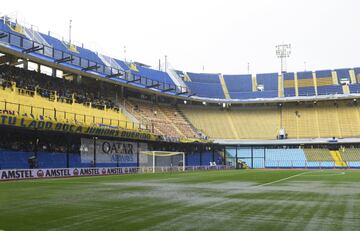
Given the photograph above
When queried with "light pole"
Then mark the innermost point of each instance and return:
(70, 32)
(283, 51)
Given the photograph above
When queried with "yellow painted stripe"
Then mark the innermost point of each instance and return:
(305, 82)
(346, 89)
(224, 87)
(338, 159)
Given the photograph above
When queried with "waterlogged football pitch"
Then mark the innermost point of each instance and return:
(214, 200)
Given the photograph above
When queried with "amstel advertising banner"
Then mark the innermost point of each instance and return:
(21, 174)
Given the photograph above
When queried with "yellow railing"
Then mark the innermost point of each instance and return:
(43, 113)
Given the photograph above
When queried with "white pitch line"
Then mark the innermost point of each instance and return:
(283, 179)
(331, 174)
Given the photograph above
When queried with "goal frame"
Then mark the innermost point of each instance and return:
(154, 154)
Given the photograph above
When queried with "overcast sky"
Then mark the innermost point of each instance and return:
(221, 35)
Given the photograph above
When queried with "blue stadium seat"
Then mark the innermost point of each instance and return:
(238, 83)
(269, 81)
(354, 88)
(289, 92)
(204, 78)
(155, 75)
(306, 91)
(323, 73)
(343, 74)
(329, 90)
(210, 90)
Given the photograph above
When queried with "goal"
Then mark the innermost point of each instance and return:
(162, 161)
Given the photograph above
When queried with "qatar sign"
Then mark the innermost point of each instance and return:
(110, 151)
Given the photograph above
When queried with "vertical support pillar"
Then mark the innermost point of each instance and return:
(53, 72)
(213, 154)
(252, 157)
(236, 158)
(25, 64)
(94, 164)
(138, 155)
(153, 162)
(264, 157)
(183, 161)
(67, 153)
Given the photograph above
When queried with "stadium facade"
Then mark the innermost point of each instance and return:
(91, 110)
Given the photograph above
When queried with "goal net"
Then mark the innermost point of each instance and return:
(161, 161)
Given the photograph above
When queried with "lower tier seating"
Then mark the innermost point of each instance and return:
(321, 120)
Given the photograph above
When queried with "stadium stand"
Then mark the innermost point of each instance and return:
(321, 120)
(142, 102)
(203, 77)
(350, 154)
(239, 86)
(208, 90)
(161, 77)
(205, 85)
(324, 82)
(305, 83)
(237, 123)
(289, 84)
(317, 154)
(43, 97)
(165, 120)
(269, 82)
(343, 75)
(290, 157)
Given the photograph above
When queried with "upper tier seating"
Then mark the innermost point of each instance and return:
(210, 90)
(83, 52)
(205, 85)
(269, 81)
(239, 86)
(154, 75)
(204, 78)
(289, 84)
(329, 90)
(305, 84)
(343, 74)
(321, 82)
(238, 83)
(324, 82)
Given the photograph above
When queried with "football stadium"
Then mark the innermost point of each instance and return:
(91, 141)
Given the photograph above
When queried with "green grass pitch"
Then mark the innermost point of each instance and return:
(213, 200)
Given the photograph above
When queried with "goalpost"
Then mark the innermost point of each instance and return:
(162, 160)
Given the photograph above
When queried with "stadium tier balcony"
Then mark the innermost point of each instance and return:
(41, 97)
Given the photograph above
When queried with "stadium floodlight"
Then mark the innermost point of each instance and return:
(283, 51)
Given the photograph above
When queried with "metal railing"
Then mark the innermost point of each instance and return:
(84, 64)
(42, 113)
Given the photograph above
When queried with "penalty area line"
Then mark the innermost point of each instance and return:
(282, 179)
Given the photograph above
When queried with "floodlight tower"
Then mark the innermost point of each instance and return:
(283, 51)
